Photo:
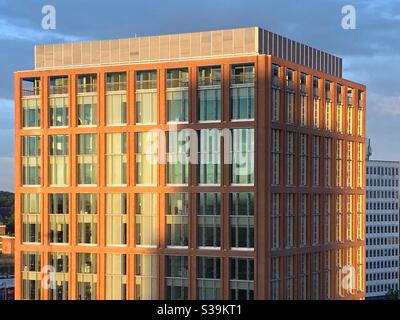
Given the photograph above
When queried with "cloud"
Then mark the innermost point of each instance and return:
(7, 114)
(383, 104)
(6, 174)
(11, 31)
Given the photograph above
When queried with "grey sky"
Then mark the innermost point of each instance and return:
(371, 53)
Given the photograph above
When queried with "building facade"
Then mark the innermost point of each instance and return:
(382, 223)
(257, 191)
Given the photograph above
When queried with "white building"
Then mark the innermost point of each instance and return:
(382, 223)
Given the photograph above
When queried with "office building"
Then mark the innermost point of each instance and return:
(382, 223)
(257, 191)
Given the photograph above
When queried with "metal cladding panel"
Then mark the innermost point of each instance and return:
(187, 46)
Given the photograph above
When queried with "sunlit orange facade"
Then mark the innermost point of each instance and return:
(285, 225)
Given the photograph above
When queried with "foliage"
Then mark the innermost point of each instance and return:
(7, 211)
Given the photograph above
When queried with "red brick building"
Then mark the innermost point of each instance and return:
(283, 219)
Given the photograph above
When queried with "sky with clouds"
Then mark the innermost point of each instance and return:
(371, 53)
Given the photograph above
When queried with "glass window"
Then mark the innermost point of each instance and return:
(290, 111)
(87, 159)
(177, 218)
(31, 102)
(31, 159)
(59, 159)
(116, 81)
(178, 95)
(31, 87)
(58, 85)
(177, 278)
(146, 212)
(146, 97)
(276, 149)
(87, 276)
(58, 115)
(116, 99)
(87, 110)
(275, 221)
(209, 219)
(275, 94)
(59, 264)
(87, 83)
(209, 93)
(31, 219)
(208, 278)
(242, 92)
(115, 109)
(87, 218)
(59, 217)
(209, 169)
(290, 150)
(87, 100)
(275, 75)
(242, 220)
(146, 158)
(241, 279)
(339, 93)
(115, 276)
(303, 220)
(289, 278)
(243, 156)
(116, 220)
(303, 83)
(316, 87)
(31, 275)
(58, 102)
(116, 158)
(178, 151)
(146, 277)
(289, 223)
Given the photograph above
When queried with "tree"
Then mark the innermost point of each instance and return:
(393, 294)
(7, 209)
(10, 221)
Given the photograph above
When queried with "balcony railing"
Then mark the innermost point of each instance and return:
(116, 86)
(178, 83)
(244, 78)
(87, 88)
(209, 81)
(146, 84)
(31, 91)
(58, 89)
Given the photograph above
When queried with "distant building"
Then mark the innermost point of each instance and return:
(382, 223)
(6, 265)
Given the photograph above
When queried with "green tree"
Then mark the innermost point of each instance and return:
(7, 209)
(10, 221)
(393, 294)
